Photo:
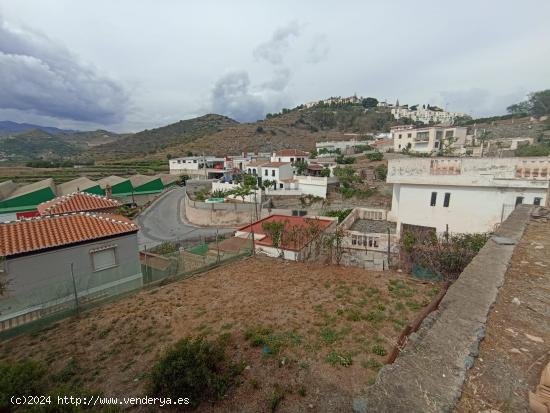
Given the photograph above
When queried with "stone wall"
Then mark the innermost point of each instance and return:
(429, 373)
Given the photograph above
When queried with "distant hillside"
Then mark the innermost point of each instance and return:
(34, 144)
(39, 144)
(150, 142)
(8, 127)
(298, 128)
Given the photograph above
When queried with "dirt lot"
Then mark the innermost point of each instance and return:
(332, 327)
(516, 346)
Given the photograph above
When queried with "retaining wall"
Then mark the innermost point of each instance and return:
(429, 373)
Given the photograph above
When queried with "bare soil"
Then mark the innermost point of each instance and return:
(316, 310)
(516, 347)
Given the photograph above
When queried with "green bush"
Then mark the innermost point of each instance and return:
(19, 379)
(378, 350)
(375, 156)
(193, 368)
(381, 172)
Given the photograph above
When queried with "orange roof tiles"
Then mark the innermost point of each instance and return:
(41, 233)
(77, 202)
(291, 152)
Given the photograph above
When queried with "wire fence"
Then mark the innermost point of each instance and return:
(78, 289)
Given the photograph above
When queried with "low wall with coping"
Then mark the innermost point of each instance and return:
(430, 371)
(218, 214)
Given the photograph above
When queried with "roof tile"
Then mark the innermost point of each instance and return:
(77, 202)
(40, 233)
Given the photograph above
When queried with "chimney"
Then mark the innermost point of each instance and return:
(108, 191)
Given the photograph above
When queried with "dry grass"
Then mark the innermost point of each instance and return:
(310, 334)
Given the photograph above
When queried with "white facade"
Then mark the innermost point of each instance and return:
(192, 163)
(303, 185)
(289, 155)
(466, 194)
(421, 114)
(345, 147)
(278, 172)
(427, 140)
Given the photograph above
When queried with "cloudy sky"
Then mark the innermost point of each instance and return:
(127, 65)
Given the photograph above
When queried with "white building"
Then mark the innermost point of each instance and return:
(425, 114)
(464, 194)
(429, 139)
(344, 147)
(277, 172)
(289, 155)
(198, 166)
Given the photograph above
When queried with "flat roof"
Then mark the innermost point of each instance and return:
(291, 223)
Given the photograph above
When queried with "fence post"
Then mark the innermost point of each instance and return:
(74, 288)
(217, 247)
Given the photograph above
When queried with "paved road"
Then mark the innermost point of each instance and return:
(162, 221)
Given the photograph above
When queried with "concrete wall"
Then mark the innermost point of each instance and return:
(44, 279)
(429, 373)
(218, 214)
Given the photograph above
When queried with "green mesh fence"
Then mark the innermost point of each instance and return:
(49, 301)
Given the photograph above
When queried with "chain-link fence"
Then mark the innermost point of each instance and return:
(77, 289)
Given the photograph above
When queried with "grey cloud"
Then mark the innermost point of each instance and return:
(479, 102)
(41, 77)
(279, 81)
(318, 50)
(274, 49)
(231, 96)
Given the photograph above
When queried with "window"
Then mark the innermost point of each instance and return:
(291, 159)
(449, 134)
(439, 134)
(273, 172)
(436, 145)
(399, 146)
(281, 186)
(447, 199)
(409, 135)
(399, 136)
(266, 172)
(519, 200)
(103, 258)
(537, 200)
(433, 200)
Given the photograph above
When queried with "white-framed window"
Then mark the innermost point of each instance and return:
(103, 258)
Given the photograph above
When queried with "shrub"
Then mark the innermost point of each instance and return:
(195, 368)
(166, 247)
(339, 359)
(378, 350)
(375, 156)
(341, 214)
(381, 172)
(19, 379)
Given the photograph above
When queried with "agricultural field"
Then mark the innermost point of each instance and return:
(25, 175)
(305, 337)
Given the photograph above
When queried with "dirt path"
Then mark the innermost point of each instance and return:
(517, 342)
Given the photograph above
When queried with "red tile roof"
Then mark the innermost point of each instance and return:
(291, 152)
(41, 233)
(291, 224)
(77, 202)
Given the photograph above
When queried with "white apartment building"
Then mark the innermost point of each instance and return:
(427, 140)
(195, 166)
(464, 194)
(423, 114)
(345, 147)
(289, 155)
